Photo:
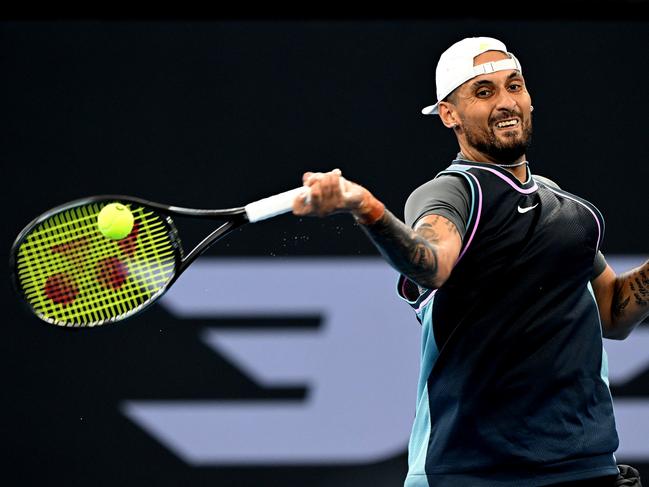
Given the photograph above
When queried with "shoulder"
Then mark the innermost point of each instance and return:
(546, 181)
(447, 195)
(439, 186)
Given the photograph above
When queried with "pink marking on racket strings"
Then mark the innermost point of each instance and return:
(75, 250)
(61, 288)
(129, 243)
(111, 273)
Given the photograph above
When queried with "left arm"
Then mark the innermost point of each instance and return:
(623, 300)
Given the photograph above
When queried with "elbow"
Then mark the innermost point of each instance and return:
(444, 269)
(433, 280)
(439, 281)
(435, 273)
(615, 332)
(616, 336)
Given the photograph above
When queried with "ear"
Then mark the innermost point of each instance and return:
(448, 114)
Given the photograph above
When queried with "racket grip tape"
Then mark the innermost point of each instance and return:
(273, 205)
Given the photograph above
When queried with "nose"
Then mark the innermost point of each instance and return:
(506, 101)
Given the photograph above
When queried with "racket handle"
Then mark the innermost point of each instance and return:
(273, 205)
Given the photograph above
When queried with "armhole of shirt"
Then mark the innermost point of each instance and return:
(475, 208)
(599, 265)
(408, 290)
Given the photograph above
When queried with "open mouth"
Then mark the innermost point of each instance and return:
(509, 123)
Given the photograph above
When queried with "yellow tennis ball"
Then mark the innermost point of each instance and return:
(115, 221)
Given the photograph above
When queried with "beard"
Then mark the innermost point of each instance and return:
(506, 149)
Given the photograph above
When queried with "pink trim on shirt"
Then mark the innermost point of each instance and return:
(479, 213)
(425, 301)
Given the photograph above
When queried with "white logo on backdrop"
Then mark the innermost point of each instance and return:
(359, 368)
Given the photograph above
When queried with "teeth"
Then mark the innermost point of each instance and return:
(507, 123)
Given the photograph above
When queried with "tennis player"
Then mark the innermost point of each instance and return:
(504, 271)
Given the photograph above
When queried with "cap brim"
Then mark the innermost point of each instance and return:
(431, 110)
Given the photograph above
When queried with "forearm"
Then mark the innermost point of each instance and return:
(630, 303)
(413, 253)
(425, 254)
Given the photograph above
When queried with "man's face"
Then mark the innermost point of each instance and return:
(495, 112)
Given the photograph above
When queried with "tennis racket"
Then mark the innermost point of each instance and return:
(69, 274)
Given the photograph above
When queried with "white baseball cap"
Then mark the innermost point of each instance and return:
(455, 66)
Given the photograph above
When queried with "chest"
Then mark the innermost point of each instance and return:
(545, 230)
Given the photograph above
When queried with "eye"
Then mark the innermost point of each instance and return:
(515, 87)
(483, 93)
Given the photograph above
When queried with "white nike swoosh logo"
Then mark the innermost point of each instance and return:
(525, 210)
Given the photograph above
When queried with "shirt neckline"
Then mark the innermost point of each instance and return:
(529, 182)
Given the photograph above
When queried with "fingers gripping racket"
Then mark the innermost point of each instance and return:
(70, 274)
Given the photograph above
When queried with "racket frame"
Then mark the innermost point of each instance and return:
(235, 217)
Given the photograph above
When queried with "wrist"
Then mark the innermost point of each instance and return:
(369, 211)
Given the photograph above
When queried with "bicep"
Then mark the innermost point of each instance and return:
(447, 195)
(444, 235)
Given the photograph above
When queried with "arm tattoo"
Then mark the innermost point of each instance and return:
(413, 253)
(619, 301)
(631, 295)
(451, 227)
(639, 290)
(618, 306)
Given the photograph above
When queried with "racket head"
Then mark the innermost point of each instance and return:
(69, 274)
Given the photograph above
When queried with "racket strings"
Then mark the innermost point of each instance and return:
(71, 274)
(155, 244)
(99, 299)
(155, 247)
(60, 278)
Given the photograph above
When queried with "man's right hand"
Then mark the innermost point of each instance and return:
(331, 193)
(426, 255)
